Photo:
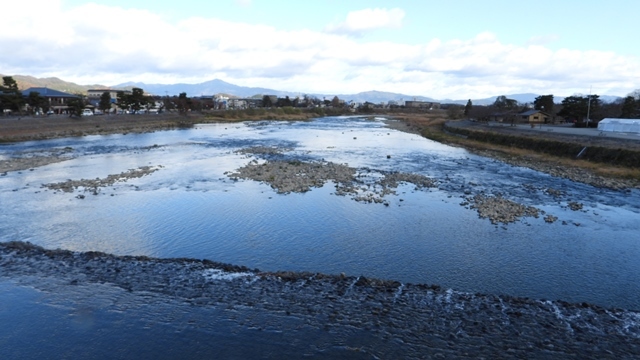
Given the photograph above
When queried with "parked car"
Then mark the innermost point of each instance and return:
(87, 112)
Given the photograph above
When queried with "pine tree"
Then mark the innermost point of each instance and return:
(467, 108)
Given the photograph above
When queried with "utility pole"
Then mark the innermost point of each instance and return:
(588, 106)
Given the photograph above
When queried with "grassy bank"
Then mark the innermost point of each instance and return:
(537, 152)
(606, 155)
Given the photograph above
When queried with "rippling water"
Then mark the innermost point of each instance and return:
(190, 208)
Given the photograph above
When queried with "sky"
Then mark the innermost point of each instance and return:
(454, 49)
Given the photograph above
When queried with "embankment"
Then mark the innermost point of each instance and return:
(618, 152)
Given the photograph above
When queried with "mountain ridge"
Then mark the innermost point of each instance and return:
(217, 86)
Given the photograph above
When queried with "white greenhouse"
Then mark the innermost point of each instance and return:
(620, 125)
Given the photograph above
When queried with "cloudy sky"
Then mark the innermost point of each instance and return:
(442, 49)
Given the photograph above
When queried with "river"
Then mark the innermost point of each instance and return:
(191, 208)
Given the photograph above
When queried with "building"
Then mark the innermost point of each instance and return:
(620, 125)
(426, 105)
(534, 117)
(95, 94)
(58, 100)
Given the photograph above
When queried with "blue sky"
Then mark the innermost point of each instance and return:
(453, 49)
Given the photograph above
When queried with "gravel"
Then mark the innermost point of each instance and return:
(93, 185)
(422, 320)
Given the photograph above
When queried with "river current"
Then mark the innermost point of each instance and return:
(191, 208)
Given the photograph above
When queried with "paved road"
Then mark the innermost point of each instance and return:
(566, 129)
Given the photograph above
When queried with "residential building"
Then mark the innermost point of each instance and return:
(534, 116)
(95, 94)
(427, 105)
(58, 100)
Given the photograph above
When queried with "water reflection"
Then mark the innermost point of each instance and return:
(190, 208)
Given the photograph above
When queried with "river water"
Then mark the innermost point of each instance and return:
(191, 208)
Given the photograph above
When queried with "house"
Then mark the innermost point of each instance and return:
(95, 94)
(504, 116)
(534, 117)
(58, 100)
(421, 104)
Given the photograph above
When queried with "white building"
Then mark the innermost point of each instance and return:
(620, 125)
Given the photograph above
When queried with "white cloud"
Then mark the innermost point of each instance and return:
(358, 22)
(144, 46)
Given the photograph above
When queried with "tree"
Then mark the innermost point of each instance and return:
(631, 106)
(183, 103)
(578, 108)
(105, 102)
(628, 108)
(282, 102)
(76, 105)
(482, 113)
(306, 101)
(467, 108)
(168, 104)
(503, 103)
(335, 102)
(123, 100)
(455, 111)
(11, 98)
(37, 102)
(544, 103)
(138, 99)
(266, 101)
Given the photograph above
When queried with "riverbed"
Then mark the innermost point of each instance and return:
(394, 206)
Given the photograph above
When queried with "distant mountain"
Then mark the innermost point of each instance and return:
(216, 86)
(380, 96)
(521, 98)
(211, 87)
(25, 82)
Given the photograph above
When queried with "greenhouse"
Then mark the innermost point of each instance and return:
(620, 125)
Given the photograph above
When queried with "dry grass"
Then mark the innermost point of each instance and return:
(431, 126)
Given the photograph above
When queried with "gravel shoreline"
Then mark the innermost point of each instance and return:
(417, 320)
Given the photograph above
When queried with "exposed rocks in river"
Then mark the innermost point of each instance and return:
(296, 176)
(370, 186)
(287, 176)
(263, 150)
(575, 206)
(93, 185)
(32, 159)
(500, 210)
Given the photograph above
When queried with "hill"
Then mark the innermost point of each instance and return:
(211, 87)
(25, 82)
(217, 86)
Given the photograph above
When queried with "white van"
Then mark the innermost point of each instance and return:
(87, 112)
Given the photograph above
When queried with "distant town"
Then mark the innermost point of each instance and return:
(43, 100)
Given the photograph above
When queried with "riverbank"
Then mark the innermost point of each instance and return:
(408, 319)
(18, 129)
(434, 126)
